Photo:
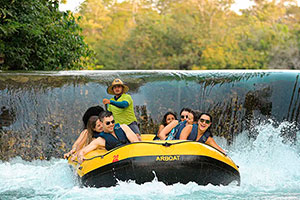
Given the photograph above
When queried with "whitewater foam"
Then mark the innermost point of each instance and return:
(269, 168)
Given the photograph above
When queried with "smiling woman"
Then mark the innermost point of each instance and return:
(200, 132)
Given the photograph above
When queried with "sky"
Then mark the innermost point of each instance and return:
(70, 5)
(73, 4)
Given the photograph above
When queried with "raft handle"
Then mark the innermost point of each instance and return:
(166, 144)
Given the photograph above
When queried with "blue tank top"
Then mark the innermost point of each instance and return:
(176, 131)
(194, 133)
(179, 128)
(112, 142)
(96, 134)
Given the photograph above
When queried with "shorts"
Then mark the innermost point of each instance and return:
(134, 127)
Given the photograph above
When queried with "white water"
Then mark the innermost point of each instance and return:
(270, 169)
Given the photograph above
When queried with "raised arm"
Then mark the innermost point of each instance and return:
(122, 104)
(166, 130)
(132, 137)
(161, 127)
(210, 141)
(119, 104)
(186, 131)
(99, 142)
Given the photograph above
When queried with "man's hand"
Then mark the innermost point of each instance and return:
(106, 101)
(139, 137)
(67, 155)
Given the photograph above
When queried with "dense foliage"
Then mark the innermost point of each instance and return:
(35, 35)
(192, 34)
(149, 34)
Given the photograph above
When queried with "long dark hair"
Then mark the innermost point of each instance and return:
(90, 128)
(185, 109)
(91, 111)
(194, 115)
(164, 120)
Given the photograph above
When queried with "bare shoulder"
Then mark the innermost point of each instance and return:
(187, 129)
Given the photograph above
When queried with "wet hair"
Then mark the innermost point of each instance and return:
(194, 115)
(185, 109)
(92, 111)
(197, 114)
(90, 126)
(164, 120)
(105, 114)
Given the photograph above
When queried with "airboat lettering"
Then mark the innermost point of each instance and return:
(167, 158)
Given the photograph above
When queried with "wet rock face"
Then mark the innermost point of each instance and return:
(259, 100)
(7, 117)
(41, 114)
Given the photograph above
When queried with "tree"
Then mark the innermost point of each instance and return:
(35, 35)
(190, 34)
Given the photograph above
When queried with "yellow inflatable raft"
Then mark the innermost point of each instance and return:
(176, 161)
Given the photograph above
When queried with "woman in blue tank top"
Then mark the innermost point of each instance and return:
(200, 132)
(173, 130)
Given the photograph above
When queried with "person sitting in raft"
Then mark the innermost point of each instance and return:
(167, 119)
(92, 111)
(94, 128)
(201, 132)
(113, 135)
(173, 130)
(184, 114)
(121, 105)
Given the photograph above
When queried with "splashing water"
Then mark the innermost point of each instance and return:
(267, 164)
(270, 169)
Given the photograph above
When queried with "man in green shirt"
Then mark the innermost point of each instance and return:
(121, 105)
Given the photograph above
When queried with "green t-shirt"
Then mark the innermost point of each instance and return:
(123, 115)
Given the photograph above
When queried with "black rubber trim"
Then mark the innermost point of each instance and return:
(166, 144)
(200, 169)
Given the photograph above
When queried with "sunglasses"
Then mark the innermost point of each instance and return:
(204, 120)
(108, 123)
(117, 86)
(184, 116)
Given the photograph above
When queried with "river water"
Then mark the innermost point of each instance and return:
(269, 168)
(257, 117)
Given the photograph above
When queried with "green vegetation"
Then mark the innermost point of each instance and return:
(192, 34)
(35, 35)
(149, 34)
